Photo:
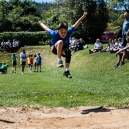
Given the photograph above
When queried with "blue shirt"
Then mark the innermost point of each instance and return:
(125, 26)
(55, 37)
(38, 59)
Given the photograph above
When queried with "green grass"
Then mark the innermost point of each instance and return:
(95, 82)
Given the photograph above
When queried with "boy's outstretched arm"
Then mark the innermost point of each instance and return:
(80, 20)
(43, 26)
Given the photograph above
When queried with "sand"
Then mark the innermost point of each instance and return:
(61, 118)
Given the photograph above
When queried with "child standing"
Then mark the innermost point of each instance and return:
(28, 60)
(23, 57)
(35, 64)
(31, 62)
(39, 62)
(60, 42)
(14, 63)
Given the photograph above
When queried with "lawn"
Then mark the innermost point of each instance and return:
(95, 82)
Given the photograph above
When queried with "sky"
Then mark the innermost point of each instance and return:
(40, 1)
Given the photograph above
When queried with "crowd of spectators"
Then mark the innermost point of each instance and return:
(77, 44)
(10, 46)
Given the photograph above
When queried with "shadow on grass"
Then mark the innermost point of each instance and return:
(96, 110)
(6, 121)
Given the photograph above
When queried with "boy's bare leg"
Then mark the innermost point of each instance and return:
(59, 46)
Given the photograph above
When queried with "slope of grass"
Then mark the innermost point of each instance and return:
(95, 82)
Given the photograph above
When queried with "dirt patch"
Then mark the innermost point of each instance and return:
(61, 118)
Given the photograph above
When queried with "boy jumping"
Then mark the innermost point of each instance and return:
(60, 42)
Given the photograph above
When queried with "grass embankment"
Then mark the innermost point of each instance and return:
(95, 82)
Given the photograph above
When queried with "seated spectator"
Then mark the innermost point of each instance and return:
(8, 46)
(122, 54)
(83, 42)
(97, 46)
(109, 47)
(3, 68)
(73, 43)
(120, 42)
(2, 45)
(116, 48)
(78, 45)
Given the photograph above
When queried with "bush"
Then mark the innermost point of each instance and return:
(27, 38)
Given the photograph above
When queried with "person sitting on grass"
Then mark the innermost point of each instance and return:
(3, 68)
(122, 54)
(117, 46)
(97, 47)
(60, 42)
(109, 47)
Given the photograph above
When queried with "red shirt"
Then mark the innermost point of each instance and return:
(31, 60)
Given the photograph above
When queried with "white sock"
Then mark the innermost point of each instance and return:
(66, 69)
(59, 59)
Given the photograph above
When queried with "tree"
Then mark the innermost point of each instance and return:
(116, 8)
(5, 23)
(118, 5)
(95, 23)
(18, 15)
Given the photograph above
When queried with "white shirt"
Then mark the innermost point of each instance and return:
(14, 44)
(23, 57)
(98, 45)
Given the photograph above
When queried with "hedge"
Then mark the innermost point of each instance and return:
(27, 38)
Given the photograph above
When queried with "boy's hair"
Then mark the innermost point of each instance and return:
(63, 25)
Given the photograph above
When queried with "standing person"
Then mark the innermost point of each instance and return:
(23, 57)
(14, 45)
(125, 29)
(119, 34)
(14, 63)
(35, 64)
(60, 42)
(28, 60)
(31, 62)
(39, 62)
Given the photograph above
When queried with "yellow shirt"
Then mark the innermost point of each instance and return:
(34, 60)
(28, 60)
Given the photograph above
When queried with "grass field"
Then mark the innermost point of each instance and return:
(95, 82)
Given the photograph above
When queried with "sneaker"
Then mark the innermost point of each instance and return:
(22, 72)
(60, 64)
(90, 51)
(117, 65)
(67, 74)
(121, 63)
